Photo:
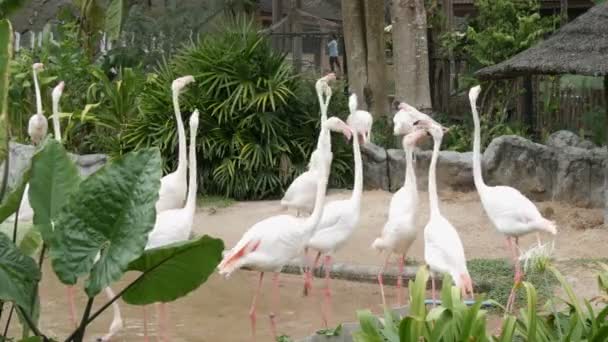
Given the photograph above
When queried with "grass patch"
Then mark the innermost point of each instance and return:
(213, 201)
(494, 277)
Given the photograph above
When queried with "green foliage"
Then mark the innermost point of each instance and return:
(6, 52)
(8, 7)
(53, 178)
(11, 201)
(115, 13)
(110, 213)
(460, 136)
(254, 135)
(163, 278)
(19, 276)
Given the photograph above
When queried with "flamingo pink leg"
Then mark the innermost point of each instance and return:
(273, 313)
(380, 280)
(307, 277)
(161, 311)
(253, 303)
(311, 270)
(518, 275)
(400, 280)
(72, 305)
(327, 311)
(146, 339)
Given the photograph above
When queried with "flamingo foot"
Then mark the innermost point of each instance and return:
(273, 325)
(382, 289)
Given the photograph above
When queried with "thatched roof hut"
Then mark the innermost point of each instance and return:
(579, 47)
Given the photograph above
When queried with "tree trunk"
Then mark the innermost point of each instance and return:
(277, 15)
(377, 97)
(410, 53)
(353, 23)
(563, 4)
(297, 40)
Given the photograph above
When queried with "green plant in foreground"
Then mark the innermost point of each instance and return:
(109, 214)
(455, 321)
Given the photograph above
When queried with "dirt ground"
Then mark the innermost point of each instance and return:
(218, 310)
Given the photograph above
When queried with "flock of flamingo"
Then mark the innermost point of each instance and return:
(272, 243)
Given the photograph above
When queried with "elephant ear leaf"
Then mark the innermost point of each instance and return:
(6, 52)
(54, 176)
(19, 275)
(170, 272)
(11, 201)
(108, 219)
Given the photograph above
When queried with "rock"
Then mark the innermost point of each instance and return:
(518, 162)
(375, 167)
(21, 155)
(454, 169)
(563, 138)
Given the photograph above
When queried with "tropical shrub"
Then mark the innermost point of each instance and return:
(109, 214)
(255, 130)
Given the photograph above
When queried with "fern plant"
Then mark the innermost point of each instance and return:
(255, 130)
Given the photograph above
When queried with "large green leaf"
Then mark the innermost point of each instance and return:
(6, 51)
(111, 213)
(54, 177)
(19, 275)
(173, 271)
(13, 199)
(114, 17)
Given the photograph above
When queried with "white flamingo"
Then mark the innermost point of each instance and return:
(443, 251)
(300, 194)
(400, 231)
(26, 213)
(407, 116)
(512, 213)
(172, 193)
(340, 218)
(273, 242)
(37, 125)
(360, 120)
(56, 95)
(175, 225)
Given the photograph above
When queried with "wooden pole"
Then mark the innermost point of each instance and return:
(529, 104)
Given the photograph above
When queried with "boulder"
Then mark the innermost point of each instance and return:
(520, 163)
(454, 169)
(563, 138)
(375, 167)
(21, 155)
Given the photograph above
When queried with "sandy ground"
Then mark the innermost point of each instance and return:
(218, 310)
(578, 234)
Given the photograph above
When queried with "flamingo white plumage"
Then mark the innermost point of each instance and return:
(56, 95)
(512, 213)
(359, 120)
(400, 231)
(172, 193)
(407, 116)
(338, 223)
(300, 194)
(443, 250)
(37, 125)
(273, 242)
(175, 225)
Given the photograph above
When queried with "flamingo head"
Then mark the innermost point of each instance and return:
(38, 66)
(336, 125)
(474, 93)
(180, 83)
(431, 127)
(58, 90)
(411, 139)
(330, 77)
(194, 120)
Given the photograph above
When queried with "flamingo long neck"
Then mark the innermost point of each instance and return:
(38, 97)
(324, 136)
(358, 187)
(433, 200)
(192, 182)
(477, 176)
(181, 135)
(410, 174)
(312, 222)
(56, 124)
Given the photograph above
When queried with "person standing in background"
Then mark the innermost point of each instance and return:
(332, 48)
